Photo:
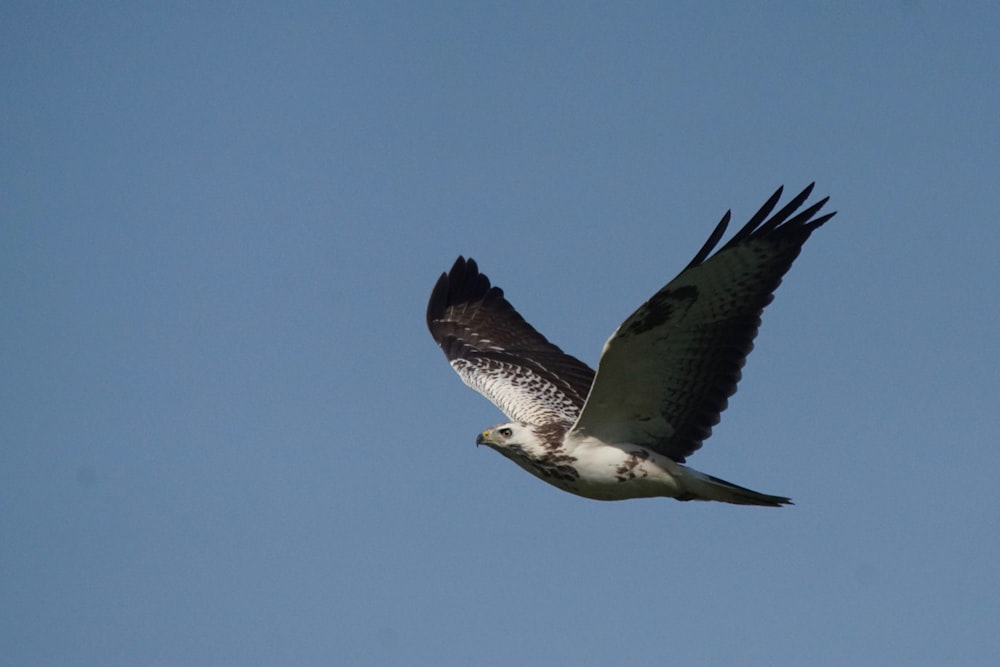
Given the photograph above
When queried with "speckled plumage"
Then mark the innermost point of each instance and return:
(664, 377)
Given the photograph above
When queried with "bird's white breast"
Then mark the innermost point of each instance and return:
(614, 472)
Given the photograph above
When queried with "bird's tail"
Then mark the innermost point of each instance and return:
(706, 487)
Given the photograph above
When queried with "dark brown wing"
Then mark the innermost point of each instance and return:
(666, 374)
(500, 355)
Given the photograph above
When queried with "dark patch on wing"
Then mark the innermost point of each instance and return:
(660, 308)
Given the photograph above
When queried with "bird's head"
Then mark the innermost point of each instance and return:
(506, 437)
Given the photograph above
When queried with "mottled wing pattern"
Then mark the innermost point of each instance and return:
(500, 355)
(666, 374)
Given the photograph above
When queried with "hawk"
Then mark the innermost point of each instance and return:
(664, 377)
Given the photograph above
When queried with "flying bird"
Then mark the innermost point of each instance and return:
(663, 379)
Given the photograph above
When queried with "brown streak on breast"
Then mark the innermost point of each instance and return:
(627, 470)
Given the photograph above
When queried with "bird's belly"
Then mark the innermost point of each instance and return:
(607, 472)
(621, 474)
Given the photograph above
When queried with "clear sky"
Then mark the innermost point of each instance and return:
(226, 436)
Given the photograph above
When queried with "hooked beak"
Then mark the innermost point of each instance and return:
(483, 438)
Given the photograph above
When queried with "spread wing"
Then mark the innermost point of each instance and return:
(666, 374)
(500, 355)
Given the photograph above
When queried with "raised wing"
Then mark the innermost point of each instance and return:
(666, 374)
(500, 355)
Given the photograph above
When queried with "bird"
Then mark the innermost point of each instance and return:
(663, 379)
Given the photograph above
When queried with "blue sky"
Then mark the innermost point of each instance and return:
(227, 437)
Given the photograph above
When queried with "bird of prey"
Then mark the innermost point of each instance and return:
(663, 379)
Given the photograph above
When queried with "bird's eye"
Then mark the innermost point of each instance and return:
(506, 432)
